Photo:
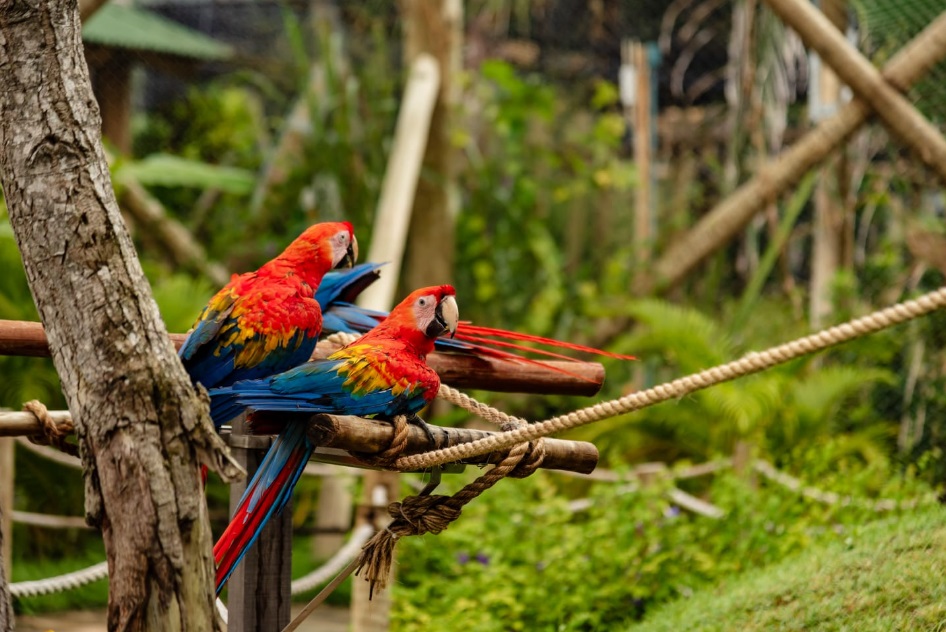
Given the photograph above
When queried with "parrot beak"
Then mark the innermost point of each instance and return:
(351, 255)
(446, 318)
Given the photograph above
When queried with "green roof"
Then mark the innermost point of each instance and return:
(137, 29)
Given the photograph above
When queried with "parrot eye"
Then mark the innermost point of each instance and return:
(422, 301)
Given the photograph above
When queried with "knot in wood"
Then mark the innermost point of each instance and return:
(417, 515)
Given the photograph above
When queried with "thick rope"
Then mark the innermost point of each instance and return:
(751, 363)
(51, 433)
(60, 583)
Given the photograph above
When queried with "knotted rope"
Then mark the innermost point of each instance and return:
(51, 432)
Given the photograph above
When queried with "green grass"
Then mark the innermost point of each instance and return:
(890, 575)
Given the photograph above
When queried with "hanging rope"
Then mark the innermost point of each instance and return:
(751, 363)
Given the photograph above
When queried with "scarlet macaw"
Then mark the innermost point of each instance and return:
(267, 321)
(382, 374)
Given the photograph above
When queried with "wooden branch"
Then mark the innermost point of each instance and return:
(731, 215)
(25, 338)
(897, 114)
(355, 434)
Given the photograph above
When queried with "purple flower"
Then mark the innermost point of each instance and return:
(671, 512)
(463, 558)
(482, 558)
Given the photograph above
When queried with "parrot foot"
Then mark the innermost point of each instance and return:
(414, 420)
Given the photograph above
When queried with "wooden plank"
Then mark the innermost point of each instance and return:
(26, 338)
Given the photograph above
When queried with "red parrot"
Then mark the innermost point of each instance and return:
(383, 374)
(268, 321)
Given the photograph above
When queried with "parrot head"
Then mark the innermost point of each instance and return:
(327, 245)
(421, 317)
(433, 310)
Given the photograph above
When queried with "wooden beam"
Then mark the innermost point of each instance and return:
(897, 113)
(27, 338)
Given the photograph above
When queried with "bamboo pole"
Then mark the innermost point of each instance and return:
(897, 114)
(27, 338)
(731, 215)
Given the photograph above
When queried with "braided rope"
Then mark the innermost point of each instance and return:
(751, 363)
(60, 583)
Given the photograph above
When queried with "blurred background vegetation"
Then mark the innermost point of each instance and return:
(544, 243)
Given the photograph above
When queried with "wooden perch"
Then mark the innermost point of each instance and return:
(349, 433)
(354, 434)
(26, 338)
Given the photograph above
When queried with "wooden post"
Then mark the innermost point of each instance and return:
(830, 225)
(435, 27)
(640, 102)
(7, 470)
(259, 589)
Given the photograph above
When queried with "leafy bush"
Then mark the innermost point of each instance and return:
(519, 559)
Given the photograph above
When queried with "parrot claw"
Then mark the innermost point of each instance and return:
(414, 420)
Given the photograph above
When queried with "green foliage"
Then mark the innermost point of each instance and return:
(537, 170)
(518, 559)
(174, 171)
(883, 576)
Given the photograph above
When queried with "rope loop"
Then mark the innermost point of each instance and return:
(51, 433)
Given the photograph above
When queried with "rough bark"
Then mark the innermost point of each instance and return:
(141, 426)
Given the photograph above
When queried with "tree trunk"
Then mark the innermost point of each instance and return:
(141, 425)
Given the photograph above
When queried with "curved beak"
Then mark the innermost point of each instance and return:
(351, 255)
(446, 318)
